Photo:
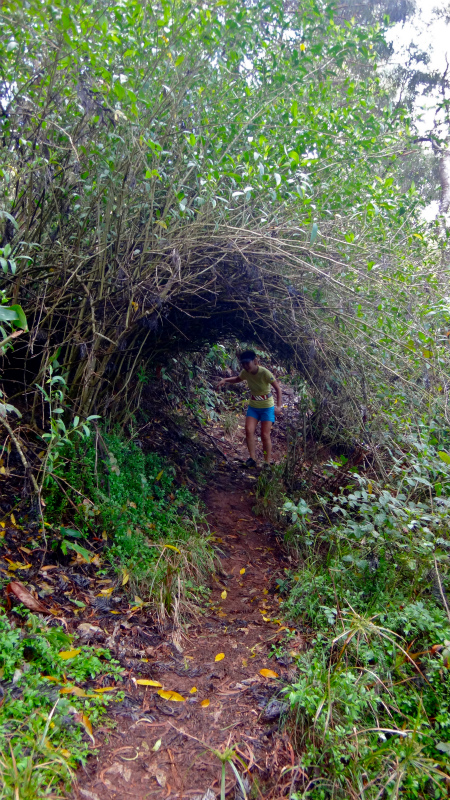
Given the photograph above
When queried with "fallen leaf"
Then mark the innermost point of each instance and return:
(86, 629)
(13, 519)
(157, 745)
(104, 536)
(159, 475)
(166, 694)
(18, 590)
(14, 565)
(65, 654)
(125, 577)
(224, 594)
(145, 682)
(242, 571)
(105, 592)
(172, 547)
(244, 662)
(86, 723)
(267, 619)
(268, 673)
(74, 690)
(219, 656)
(161, 777)
(106, 689)
(205, 703)
(193, 690)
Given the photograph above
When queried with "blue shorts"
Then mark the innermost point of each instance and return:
(262, 414)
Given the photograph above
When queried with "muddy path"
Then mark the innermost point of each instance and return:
(164, 749)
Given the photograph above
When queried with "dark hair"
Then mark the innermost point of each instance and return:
(247, 355)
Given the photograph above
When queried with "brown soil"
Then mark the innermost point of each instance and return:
(164, 749)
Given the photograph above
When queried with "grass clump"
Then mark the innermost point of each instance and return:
(154, 528)
(45, 714)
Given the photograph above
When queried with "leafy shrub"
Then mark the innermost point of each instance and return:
(41, 737)
(371, 705)
(153, 527)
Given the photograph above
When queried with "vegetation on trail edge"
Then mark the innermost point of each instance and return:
(155, 532)
(370, 706)
(46, 718)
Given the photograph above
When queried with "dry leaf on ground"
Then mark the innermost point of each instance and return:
(65, 654)
(145, 682)
(166, 694)
(268, 673)
(219, 656)
(18, 590)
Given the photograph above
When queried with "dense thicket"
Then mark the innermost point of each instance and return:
(168, 163)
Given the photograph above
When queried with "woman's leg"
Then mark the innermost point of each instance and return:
(266, 428)
(250, 428)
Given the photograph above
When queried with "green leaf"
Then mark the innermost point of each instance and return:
(295, 156)
(314, 232)
(65, 545)
(179, 60)
(445, 457)
(277, 179)
(7, 314)
(21, 318)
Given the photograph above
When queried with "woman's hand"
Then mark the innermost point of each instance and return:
(278, 411)
(221, 383)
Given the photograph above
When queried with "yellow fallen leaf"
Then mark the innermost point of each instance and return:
(2, 524)
(267, 619)
(244, 662)
(106, 689)
(219, 656)
(74, 690)
(159, 475)
(106, 592)
(125, 577)
(265, 591)
(145, 682)
(224, 594)
(65, 654)
(193, 690)
(205, 703)
(104, 536)
(166, 694)
(172, 547)
(221, 614)
(268, 673)
(138, 602)
(65, 753)
(157, 745)
(242, 571)
(13, 519)
(85, 721)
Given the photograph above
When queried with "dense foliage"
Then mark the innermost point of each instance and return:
(155, 530)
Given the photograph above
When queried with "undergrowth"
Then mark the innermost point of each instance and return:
(371, 706)
(46, 718)
(155, 530)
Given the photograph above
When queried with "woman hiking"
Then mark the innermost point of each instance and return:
(261, 407)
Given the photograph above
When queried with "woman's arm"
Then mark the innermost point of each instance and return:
(277, 388)
(221, 383)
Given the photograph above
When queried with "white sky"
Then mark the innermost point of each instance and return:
(432, 36)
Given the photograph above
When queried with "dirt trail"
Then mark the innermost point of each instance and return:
(243, 709)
